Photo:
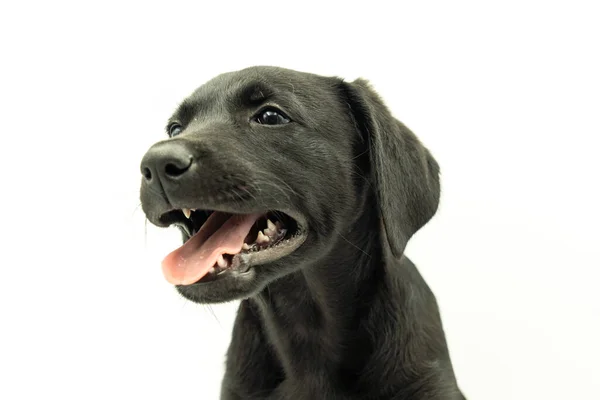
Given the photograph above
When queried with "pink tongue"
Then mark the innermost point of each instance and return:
(221, 234)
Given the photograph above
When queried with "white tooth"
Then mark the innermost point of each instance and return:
(221, 262)
(268, 232)
(261, 238)
(187, 212)
(270, 225)
(245, 246)
(211, 270)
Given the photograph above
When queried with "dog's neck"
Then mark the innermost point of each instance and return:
(314, 313)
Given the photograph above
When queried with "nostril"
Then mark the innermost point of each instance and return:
(166, 161)
(174, 170)
(147, 173)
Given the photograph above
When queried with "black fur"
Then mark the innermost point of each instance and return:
(346, 315)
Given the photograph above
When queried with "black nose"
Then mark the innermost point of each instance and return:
(166, 162)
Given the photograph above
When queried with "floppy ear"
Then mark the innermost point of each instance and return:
(405, 174)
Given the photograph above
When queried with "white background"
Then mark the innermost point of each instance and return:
(506, 94)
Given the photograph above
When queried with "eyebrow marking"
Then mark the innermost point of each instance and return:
(185, 110)
(255, 93)
(257, 96)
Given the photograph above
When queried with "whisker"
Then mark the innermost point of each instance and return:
(210, 309)
(136, 209)
(146, 233)
(358, 155)
(366, 179)
(352, 244)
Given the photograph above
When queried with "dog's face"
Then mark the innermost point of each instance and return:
(262, 170)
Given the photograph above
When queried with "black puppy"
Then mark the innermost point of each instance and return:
(298, 193)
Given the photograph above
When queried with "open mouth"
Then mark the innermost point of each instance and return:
(216, 243)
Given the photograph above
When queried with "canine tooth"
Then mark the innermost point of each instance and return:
(221, 262)
(211, 270)
(245, 246)
(270, 225)
(262, 238)
(187, 212)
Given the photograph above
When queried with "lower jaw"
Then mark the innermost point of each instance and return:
(231, 285)
(240, 265)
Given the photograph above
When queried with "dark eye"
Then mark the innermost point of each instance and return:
(271, 116)
(174, 130)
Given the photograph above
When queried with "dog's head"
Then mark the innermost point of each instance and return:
(265, 167)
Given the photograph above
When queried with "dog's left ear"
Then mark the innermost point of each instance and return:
(405, 174)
